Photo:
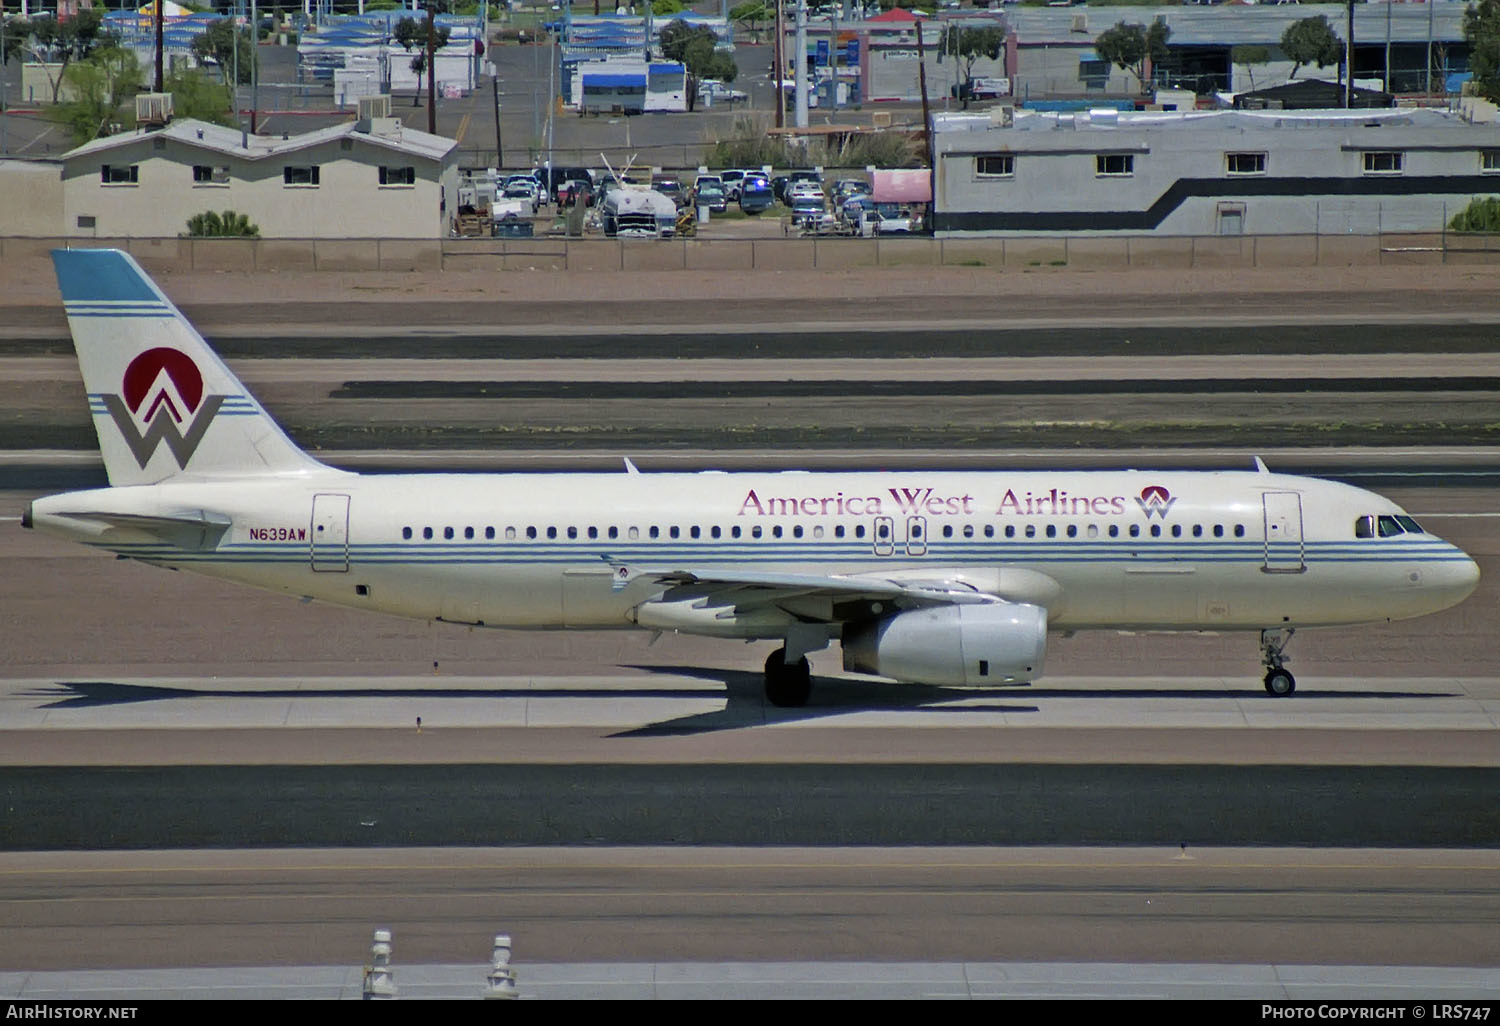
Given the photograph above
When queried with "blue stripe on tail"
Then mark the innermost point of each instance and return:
(100, 275)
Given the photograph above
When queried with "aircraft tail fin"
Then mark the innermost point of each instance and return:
(163, 403)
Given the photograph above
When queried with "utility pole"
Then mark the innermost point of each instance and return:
(431, 73)
(1349, 59)
(255, 62)
(926, 110)
(778, 60)
(499, 150)
(159, 4)
(800, 57)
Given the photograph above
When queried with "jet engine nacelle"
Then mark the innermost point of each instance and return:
(979, 643)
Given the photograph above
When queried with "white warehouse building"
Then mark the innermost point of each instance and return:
(1104, 172)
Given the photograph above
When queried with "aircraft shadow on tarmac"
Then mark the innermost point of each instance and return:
(744, 705)
(76, 694)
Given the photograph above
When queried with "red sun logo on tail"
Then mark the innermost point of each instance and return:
(160, 390)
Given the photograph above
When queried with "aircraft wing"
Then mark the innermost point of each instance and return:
(807, 598)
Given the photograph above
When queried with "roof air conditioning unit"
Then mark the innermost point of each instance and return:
(371, 107)
(153, 110)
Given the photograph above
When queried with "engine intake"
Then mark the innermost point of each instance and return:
(988, 643)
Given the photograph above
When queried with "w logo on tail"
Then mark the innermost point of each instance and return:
(162, 388)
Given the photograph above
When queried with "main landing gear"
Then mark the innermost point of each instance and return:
(1279, 681)
(788, 685)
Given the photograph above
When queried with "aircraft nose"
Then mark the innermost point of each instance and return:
(1456, 579)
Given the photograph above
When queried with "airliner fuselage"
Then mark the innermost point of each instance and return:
(927, 577)
(1200, 551)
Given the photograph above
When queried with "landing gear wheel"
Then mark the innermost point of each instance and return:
(1280, 683)
(788, 687)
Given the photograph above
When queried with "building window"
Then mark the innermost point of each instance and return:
(1489, 161)
(398, 176)
(120, 174)
(1245, 163)
(87, 221)
(299, 175)
(1384, 162)
(1094, 74)
(1114, 164)
(995, 165)
(1231, 219)
(210, 174)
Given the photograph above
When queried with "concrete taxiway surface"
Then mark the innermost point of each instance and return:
(749, 981)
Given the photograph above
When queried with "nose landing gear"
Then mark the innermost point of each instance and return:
(1279, 680)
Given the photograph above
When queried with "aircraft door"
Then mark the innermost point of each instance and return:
(916, 536)
(329, 537)
(884, 534)
(1285, 552)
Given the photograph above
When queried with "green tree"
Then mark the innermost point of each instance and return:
(1250, 56)
(970, 44)
(62, 43)
(227, 47)
(410, 33)
(100, 85)
(1482, 32)
(1128, 47)
(1311, 41)
(752, 11)
(662, 8)
(195, 94)
(697, 49)
(18, 32)
(228, 225)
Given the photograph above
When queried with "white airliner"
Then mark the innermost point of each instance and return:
(937, 578)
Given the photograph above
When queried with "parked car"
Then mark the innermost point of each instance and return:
(714, 91)
(803, 191)
(708, 192)
(524, 189)
(755, 194)
(810, 214)
(731, 180)
(980, 89)
(895, 219)
(670, 188)
(848, 188)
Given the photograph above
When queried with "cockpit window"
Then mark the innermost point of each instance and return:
(1412, 527)
(1389, 527)
(1364, 527)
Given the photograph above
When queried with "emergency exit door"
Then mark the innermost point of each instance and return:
(329, 537)
(1285, 552)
